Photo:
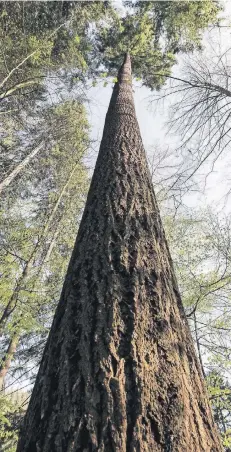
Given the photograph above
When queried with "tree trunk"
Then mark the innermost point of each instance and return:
(119, 371)
(198, 343)
(6, 361)
(51, 246)
(12, 303)
(19, 168)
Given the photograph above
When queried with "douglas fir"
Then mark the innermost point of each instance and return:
(119, 371)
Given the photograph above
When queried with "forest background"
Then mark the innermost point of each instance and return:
(58, 64)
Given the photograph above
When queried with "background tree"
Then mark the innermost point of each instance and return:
(39, 40)
(200, 113)
(220, 396)
(200, 246)
(36, 67)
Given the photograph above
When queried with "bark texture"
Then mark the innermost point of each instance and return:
(119, 371)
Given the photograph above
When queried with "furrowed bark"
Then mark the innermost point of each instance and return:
(119, 371)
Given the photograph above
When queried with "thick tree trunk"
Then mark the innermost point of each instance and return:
(119, 371)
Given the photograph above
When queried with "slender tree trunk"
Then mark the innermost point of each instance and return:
(51, 246)
(6, 361)
(12, 303)
(198, 343)
(7, 181)
(119, 371)
(18, 86)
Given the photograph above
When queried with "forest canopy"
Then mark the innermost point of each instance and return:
(54, 56)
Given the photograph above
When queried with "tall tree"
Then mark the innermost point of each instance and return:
(119, 371)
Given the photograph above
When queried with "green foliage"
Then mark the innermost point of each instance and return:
(61, 180)
(135, 34)
(81, 37)
(10, 413)
(153, 33)
(181, 23)
(41, 40)
(220, 397)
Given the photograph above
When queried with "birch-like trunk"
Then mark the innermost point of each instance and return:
(17, 170)
(119, 371)
(7, 359)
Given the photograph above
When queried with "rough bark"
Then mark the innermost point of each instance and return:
(119, 371)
